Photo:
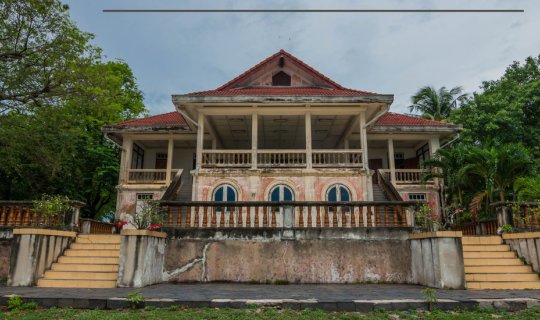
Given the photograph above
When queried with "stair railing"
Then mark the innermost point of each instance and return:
(387, 187)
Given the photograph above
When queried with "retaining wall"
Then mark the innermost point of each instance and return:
(527, 246)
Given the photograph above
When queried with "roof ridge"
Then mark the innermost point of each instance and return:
(293, 58)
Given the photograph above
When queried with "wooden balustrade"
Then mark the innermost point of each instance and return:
(90, 226)
(281, 158)
(299, 214)
(147, 175)
(408, 176)
(525, 216)
(481, 228)
(226, 158)
(337, 158)
(22, 214)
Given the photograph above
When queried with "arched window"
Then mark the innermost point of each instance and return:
(338, 192)
(281, 192)
(281, 79)
(225, 192)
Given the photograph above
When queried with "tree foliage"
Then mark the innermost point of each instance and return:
(436, 104)
(51, 140)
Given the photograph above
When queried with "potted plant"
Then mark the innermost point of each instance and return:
(148, 215)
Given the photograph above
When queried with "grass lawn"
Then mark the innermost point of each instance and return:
(258, 313)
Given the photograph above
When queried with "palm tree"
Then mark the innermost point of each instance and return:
(437, 104)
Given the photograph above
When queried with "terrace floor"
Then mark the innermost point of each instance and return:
(331, 297)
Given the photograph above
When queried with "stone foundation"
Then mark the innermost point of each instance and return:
(293, 256)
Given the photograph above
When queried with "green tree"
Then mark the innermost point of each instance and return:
(41, 50)
(51, 117)
(506, 110)
(436, 104)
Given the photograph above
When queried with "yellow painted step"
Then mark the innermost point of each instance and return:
(498, 247)
(489, 254)
(515, 285)
(481, 240)
(89, 260)
(498, 269)
(81, 275)
(501, 277)
(91, 253)
(59, 283)
(95, 246)
(492, 262)
(84, 267)
(98, 238)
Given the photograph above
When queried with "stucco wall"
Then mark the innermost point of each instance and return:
(314, 256)
(256, 185)
(5, 253)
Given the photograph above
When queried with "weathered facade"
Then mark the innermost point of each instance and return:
(280, 131)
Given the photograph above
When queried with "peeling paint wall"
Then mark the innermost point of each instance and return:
(141, 260)
(312, 257)
(5, 253)
(256, 185)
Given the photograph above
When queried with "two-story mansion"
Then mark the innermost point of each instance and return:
(281, 131)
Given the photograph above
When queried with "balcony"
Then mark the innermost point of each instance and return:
(283, 158)
(149, 176)
(407, 176)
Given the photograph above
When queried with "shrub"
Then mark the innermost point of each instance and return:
(51, 206)
(15, 302)
(148, 215)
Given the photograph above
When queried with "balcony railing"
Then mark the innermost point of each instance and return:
(149, 176)
(22, 214)
(408, 176)
(297, 214)
(285, 158)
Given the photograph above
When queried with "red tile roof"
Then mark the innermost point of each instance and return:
(165, 119)
(229, 89)
(281, 91)
(396, 119)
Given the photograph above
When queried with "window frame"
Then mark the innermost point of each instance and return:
(281, 187)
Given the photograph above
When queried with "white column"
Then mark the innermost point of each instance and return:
(200, 141)
(254, 139)
(391, 160)
(363, 139)
(127, 149)
(434, 145)
(170, 151)
(308, 141)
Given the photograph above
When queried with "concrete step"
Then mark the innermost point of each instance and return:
(94, 246)
(489, 254)
(84, 267)
(492, 262)
(498, 269)
(495, 285)
(98, 238)
(80, 275)
(91, 253)
(501, 277)
(89, 260)
(70, 283)
(482, 240)
(492, 247)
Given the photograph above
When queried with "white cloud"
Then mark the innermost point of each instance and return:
(382, 52)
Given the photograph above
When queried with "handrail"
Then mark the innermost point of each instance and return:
(175, 185)
(287, 214)
(387, 187)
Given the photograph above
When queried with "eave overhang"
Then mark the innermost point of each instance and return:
(196, 99)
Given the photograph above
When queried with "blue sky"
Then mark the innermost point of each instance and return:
(394, 53)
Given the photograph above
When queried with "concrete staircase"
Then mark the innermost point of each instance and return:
(90, 262)
(491, 264)
(378, 194)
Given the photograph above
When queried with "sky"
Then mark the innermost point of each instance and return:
(388, 53)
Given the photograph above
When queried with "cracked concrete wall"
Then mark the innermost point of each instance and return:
(438, 262)
(5, 253)
(311, 260)
(527, 248)
(32, 255)
(141, 260)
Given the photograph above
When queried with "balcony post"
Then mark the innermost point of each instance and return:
(254, 139)
(434, 145)
(200, 141)
(309, 159)
(127, 148)
(170, 151)
(368, 190)
(391, 160)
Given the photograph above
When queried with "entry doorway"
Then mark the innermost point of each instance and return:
(375, 164)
